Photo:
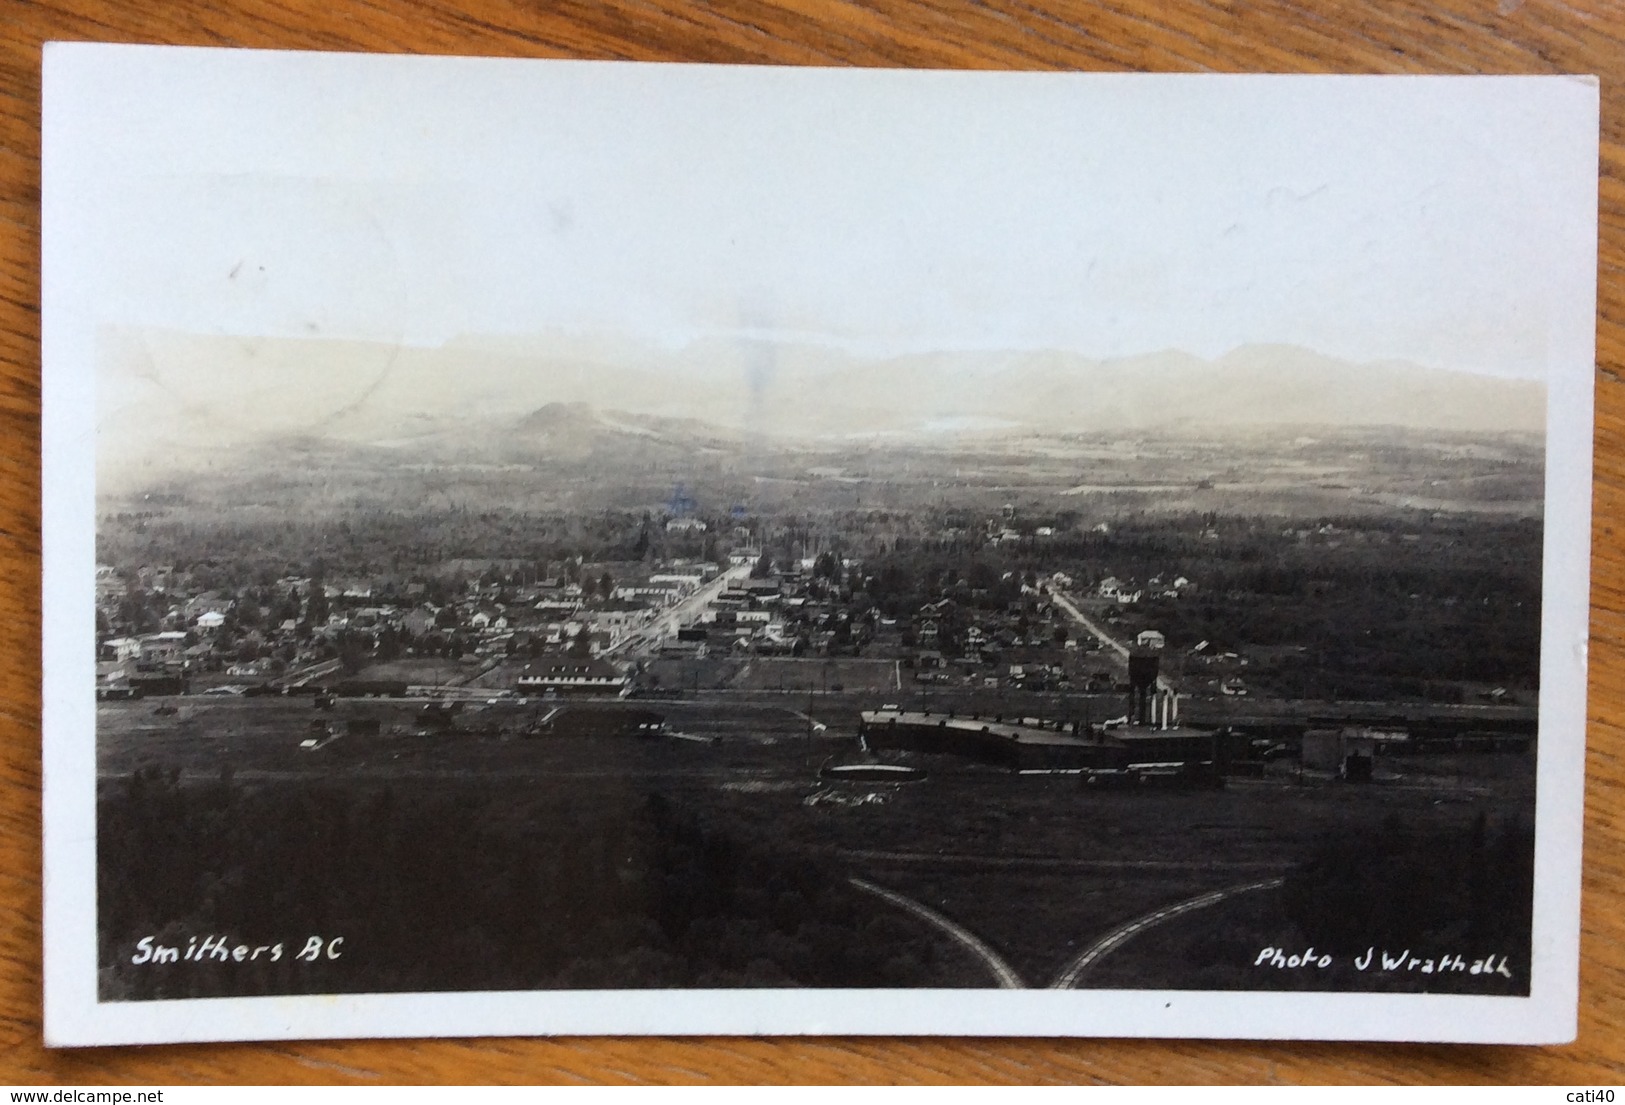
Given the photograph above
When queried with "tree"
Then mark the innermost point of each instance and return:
(763, 567)
(355, 650)
(287, 608)
(606, 585)
(316, 609)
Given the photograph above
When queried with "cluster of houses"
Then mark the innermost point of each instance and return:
(1007, 529)
(791, 611)
(1027, 645)
(1128, 593)
(298, 628)
(771, 613)
(572, 631)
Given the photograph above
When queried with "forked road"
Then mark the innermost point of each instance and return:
(1076, 970)
(1007, 978)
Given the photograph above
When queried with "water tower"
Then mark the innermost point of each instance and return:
(1143, 669)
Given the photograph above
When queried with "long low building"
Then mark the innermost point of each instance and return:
(571, 675)
(1032, 743)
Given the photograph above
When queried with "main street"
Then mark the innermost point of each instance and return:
(646, 641)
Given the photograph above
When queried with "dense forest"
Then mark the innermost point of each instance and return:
(250, 548)
(515, 887)
(1379, 906)
(1403, 887)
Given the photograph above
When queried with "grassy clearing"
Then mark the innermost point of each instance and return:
(839, 675)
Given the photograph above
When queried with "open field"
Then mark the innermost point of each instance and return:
(1034, 866)
(278, 502)
(427, 670)
(771, 673)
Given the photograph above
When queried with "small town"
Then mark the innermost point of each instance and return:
(621, 627)
(640, 627)
(820, 745)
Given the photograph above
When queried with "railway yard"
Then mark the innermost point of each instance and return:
(1015, 878)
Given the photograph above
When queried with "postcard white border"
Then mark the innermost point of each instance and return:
(74, 1017)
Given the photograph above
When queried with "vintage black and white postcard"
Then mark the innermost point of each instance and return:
(555, 547)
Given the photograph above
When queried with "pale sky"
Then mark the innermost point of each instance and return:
(1445, 221)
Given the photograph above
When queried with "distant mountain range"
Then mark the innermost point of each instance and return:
(164, 395)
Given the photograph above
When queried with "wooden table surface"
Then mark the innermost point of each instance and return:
(1416, 36)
